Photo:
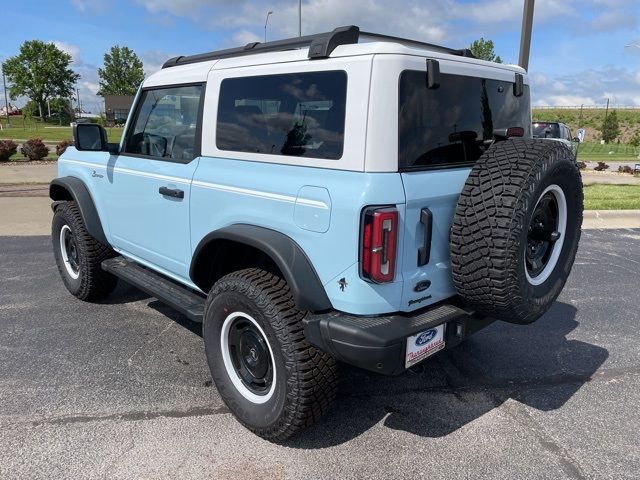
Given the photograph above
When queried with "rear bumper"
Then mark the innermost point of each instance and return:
(378, 344)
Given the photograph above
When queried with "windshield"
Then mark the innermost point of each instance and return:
(546, 130)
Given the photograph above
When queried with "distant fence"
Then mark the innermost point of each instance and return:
(587, 107)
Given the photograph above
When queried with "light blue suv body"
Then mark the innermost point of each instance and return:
(342, 174)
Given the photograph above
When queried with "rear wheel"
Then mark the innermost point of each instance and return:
(268, 375)
(516, 229)
(79, 256)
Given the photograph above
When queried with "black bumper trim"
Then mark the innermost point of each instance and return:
(378, 343)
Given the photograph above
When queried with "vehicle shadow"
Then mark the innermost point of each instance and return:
(534, 364)
(124, 293)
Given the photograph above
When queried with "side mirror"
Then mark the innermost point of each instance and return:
(90, 137)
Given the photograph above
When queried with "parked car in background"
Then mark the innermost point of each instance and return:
(556, 131)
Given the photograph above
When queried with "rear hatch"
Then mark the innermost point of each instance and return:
(442, 132)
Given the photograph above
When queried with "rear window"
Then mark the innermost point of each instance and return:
(454, 123)
(546, 130)
(298, 114)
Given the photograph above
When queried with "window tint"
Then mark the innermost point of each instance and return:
(165, 123)
(546, 130)
(454, 123)
(300, 114)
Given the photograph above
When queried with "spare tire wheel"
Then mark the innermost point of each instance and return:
(516, 229)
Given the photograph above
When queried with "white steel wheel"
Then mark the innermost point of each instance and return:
(248, 357)
(545, 236)
(69, 252)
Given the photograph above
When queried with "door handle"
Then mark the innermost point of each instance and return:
(171, 192)
(424, 252)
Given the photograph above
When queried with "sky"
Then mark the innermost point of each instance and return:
(578, 53)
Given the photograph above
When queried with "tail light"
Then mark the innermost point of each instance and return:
(379, 244)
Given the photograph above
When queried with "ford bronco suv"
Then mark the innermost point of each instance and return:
(322, 200)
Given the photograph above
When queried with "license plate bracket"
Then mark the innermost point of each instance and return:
(424, 344)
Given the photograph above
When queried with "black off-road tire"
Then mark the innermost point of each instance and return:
(305, 378)
(92, 282)
(492, 224)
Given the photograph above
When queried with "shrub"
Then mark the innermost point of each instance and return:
(601, 167)
(62, 146)
(582, 165)
(7, 148)
(34, 149)
(625, 169)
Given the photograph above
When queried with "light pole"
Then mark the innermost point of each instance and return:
(525, 35)
(265, 25)
(6, 101)
(299, 18)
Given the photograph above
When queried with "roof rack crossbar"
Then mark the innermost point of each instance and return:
(320, 46)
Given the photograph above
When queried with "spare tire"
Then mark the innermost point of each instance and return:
(516, 229)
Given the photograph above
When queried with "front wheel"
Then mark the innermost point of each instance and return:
(79, 256)
(271, 379)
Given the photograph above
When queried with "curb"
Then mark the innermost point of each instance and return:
(607, 219)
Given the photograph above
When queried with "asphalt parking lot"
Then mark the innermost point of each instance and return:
(121, 389)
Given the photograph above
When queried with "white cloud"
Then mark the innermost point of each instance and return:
(560, 87)
(153, 60)
(243, 37)
(69, 48)
(614, 20)
(589, 87)
(91, 6)
(564, 101)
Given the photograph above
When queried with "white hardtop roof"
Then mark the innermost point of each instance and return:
(197, 72)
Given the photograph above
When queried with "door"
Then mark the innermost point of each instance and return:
(150, 181)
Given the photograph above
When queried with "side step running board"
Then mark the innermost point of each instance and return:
(176, 296)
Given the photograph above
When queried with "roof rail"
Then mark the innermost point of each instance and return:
(320, 46)
(463, 52)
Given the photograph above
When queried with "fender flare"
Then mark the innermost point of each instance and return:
(72, 188)
(306, 287)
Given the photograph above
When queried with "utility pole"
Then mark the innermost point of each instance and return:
(79, 104)
(299, 18)
(525, 36)
(606, 112)
(265, 25)
(580, 123)
(6, 101)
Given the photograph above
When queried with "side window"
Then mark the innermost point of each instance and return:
(297, 114)
(454, 123)
(165, 124)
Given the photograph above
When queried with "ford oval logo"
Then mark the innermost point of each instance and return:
(426, 337)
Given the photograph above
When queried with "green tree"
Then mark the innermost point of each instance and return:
(483, 49)
(610, 127)
(122, 73)
(40, 71)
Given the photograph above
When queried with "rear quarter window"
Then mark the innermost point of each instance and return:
(454, 123)
(297, 114)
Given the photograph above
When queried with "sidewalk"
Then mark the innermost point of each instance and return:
(25, 174)
(15, 173)
(607, 219)
(31, 215)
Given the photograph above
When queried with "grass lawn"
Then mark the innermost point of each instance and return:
(611, 197)
(594, 152)
(50, 132)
